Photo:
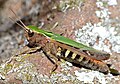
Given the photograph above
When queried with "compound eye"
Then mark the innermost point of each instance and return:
(30, 33)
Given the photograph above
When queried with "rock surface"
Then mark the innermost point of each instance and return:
(60, 16)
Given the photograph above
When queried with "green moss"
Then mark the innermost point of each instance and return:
(8, 67)
(28, 77)
(105, 4)
(67, 4)
(22, 58)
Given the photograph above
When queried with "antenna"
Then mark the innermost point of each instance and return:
(18, 24)
(23, 25)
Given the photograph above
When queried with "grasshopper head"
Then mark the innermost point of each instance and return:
(32, 37)
(29, 34)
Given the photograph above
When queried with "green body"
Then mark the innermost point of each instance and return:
(97, 54)
(60, 38)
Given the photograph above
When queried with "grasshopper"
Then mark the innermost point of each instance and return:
(59, 47)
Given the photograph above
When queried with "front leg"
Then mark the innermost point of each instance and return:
(28, 50)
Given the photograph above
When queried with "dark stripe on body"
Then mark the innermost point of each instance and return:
(77, 57)
(70, 55)
(84, 61)
(63, 52)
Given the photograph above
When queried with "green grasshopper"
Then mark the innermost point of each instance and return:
(59, 47)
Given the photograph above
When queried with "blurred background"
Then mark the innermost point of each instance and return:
(61, 16)
(30, 11)
(95, 23)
